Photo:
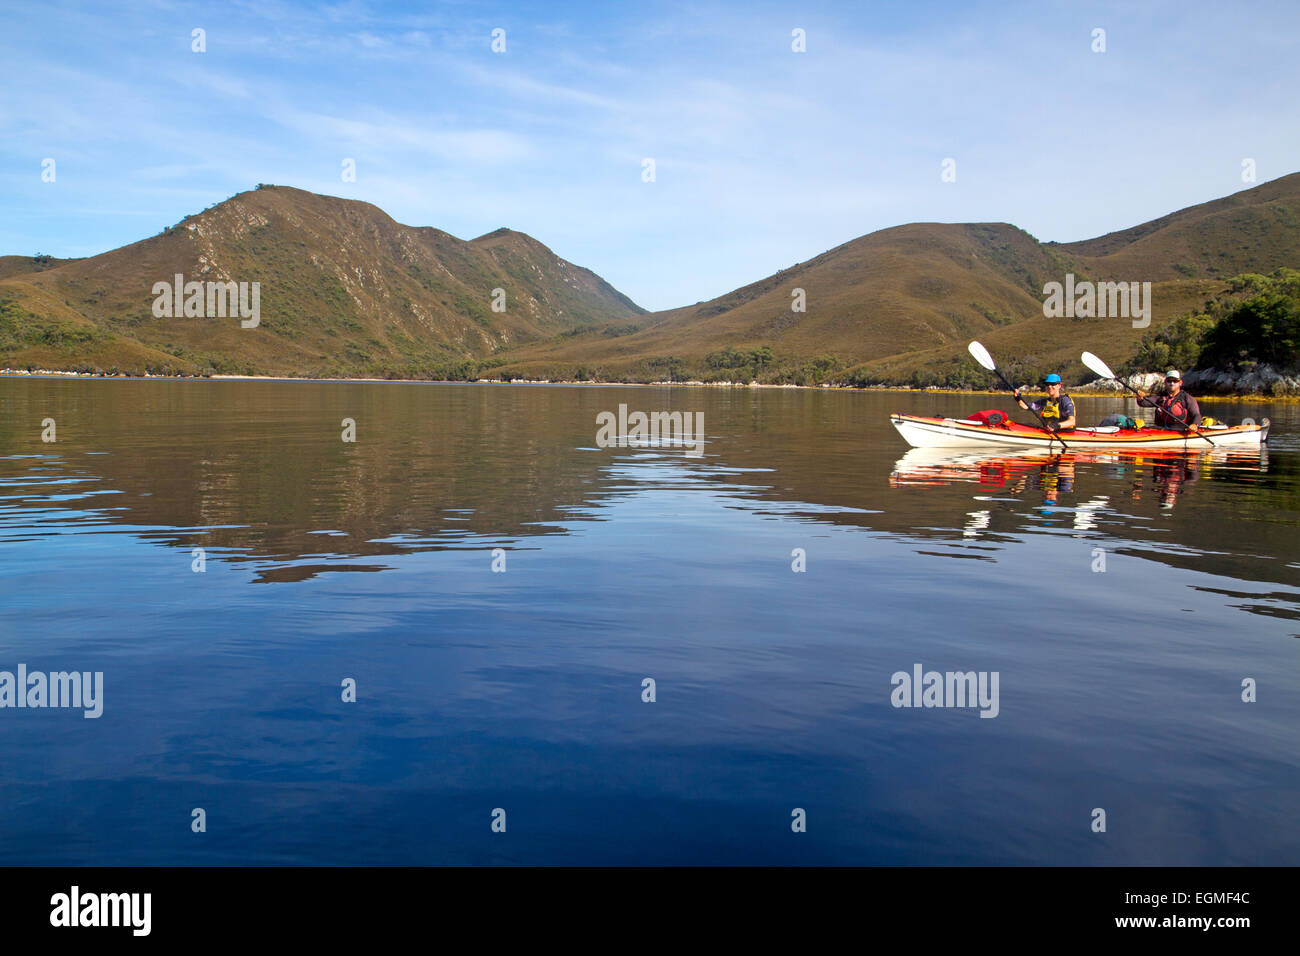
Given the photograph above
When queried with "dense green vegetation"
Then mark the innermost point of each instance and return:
(20, 329)
(1177, 345)
(608, 331)
(760, 364)
(960, 373)
(743, 364)
(1256, 321)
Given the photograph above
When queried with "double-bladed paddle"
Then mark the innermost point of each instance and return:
(982, 356)
(1099, 367)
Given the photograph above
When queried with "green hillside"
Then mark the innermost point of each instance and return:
(897, 307)
(346, 291)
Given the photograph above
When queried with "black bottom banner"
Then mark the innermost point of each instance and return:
(336, 905)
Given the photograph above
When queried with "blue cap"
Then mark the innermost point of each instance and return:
(1052, 379)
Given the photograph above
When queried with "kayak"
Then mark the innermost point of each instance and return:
(921, 431)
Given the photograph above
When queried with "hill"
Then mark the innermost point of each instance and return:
(1255, 230)
(919, 283)
(347, 291)
(17, 265)
(344, 290)
(899, 305)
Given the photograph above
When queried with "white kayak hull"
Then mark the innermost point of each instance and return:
(924, 432)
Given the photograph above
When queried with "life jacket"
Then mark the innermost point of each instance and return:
(1173, 411)
(1051, 409)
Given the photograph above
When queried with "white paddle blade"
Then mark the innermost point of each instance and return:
(1096, 365)
(982, 355)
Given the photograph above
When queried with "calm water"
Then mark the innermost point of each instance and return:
(522, 689)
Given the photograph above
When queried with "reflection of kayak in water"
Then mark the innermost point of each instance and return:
(993, 468)
(923, 431)
(942, 466)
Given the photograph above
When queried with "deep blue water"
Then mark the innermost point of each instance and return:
(522, 690)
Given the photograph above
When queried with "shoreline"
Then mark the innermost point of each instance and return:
(933, 390)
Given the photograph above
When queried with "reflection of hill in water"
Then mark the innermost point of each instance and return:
(257, 472)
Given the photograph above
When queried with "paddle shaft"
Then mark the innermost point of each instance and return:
(1051, 435)
(1186, 427)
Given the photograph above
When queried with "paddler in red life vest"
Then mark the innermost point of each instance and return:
(1057, 409)
(1175, 409)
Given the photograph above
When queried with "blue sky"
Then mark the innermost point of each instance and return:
(764, 157)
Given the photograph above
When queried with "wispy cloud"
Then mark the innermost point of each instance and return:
(764, 156)
(405, 139)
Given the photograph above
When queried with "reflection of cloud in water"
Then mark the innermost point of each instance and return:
(1085, 516)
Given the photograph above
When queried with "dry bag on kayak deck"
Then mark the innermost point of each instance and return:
(1121, 421)
(990, 417)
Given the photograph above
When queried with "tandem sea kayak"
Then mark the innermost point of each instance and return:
(922, 431)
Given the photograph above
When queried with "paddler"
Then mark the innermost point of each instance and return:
(1174, 409)
(1056, 410)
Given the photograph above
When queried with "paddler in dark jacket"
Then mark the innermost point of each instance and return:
(1057, 409)
(1174, 409)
